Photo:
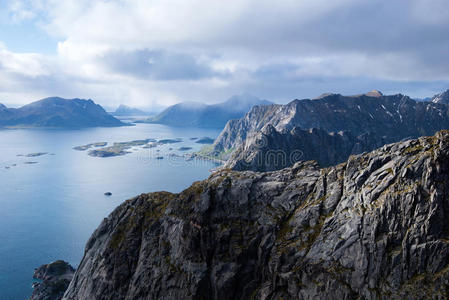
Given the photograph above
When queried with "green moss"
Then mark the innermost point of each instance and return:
(413, 149)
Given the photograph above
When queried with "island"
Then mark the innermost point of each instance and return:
(88, 146)
(33, 154)
(169, 141)
(205, 140)
(120, 148)
(184, 148)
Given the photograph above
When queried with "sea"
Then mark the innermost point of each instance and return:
(50, 204)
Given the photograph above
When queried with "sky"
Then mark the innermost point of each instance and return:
(154, 53)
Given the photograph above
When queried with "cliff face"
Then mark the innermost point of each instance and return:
(391, 118)
(441, 98)
(270, 150)
(373, 227)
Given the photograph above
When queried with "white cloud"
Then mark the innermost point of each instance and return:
(207, 50)
(23, 64)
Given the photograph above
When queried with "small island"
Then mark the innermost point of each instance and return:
(205, 140)
(36, 154)
(120, 148)
(88, 146)
(169, 141)
(184, 148)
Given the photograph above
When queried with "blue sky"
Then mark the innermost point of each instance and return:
(156, 53)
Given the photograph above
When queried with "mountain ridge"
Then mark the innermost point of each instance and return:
(58, 113)
(441, 98)
(372, 227)
(387, 118)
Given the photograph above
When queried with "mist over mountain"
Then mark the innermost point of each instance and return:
(58, 112)
(124, 110)
(195, 114)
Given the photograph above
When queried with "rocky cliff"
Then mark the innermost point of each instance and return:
(55, 278)
(441, 98)
(391, 118)
(374, 227)
(270, 150)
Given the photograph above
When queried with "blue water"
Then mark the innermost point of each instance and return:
(48, 210)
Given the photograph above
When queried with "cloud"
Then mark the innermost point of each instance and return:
(159, 65)
(159, 52)
(23, 64)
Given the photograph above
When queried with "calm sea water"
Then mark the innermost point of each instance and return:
(49, 209)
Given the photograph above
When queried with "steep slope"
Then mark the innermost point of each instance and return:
(390, 118)
(374, 227)
(270, 150)
(58, 112)
(441, 98)
(201, 115)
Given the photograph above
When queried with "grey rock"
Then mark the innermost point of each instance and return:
(270, 150)
(374, 227)
(386, 118)
(441, 98)
(55, 278)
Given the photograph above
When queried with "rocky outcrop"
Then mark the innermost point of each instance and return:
(441, 98)
(271, 150)
(55, 278)
(391, 118)
(374, 227)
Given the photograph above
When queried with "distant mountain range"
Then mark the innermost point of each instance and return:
(194, 114)
(59, 113)
(327, 129)
(124, 110)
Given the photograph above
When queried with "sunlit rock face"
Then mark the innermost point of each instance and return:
(327, 129)
(372, 227)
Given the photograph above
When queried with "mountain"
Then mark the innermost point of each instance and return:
(57, 112)
(374, 227)
(270, 150)
(124, 110)
(441, 98)
(210, 116)
(384, 119)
